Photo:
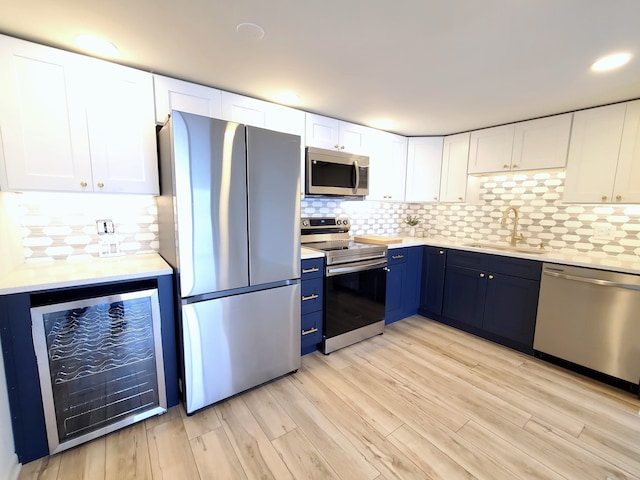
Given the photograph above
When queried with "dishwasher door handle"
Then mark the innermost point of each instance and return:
(593, 281)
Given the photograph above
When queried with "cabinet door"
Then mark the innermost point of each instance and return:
(455, 155)
(464, 292)
(510, 307)
(626, 188)
(432, 283)
(396, 281)
(593, 154)
(355, 139)
(322, 132)
(122, 136)
(411, 295)
(42, 119)
(172, 94)
(424, 163)
(387, 166)
(490, 149)
(541, 143)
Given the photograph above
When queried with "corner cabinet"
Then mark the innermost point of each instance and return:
(312, 304)
(424, 164)
(455, 157)
(388, 162)
(74, 123)
(604, 155)
(492, 296)
(403, 283)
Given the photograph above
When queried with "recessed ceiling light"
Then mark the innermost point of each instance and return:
(287, 98)
(250, 31)
(383, 124)
(610, 62)
(97, 46)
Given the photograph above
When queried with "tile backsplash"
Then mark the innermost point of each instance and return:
(60, 226)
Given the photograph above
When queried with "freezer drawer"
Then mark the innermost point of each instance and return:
(590, 317)
(234, 343)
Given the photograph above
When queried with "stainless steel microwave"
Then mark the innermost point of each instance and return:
(330, 172)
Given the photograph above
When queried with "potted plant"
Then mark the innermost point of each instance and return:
(412, 221)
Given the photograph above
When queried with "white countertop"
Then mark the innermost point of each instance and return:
(602, 262)
(31, 277)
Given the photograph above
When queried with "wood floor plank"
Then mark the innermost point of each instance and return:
(127, 454)
(343, 457)
(615, 449)
(169, 451)
(302, 458)
(45, 468)
(84, 462)
(203, 422)
(269, 414)
(215, 457)
(375, 447)
(258, 457)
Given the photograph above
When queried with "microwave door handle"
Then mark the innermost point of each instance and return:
(357, 169)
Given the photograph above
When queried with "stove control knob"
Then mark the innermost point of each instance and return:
(345, 221)
(305, 223)
(339, 222)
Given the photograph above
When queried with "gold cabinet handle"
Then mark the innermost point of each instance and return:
(396, 257)
(490, 277)
(505, 166)
(311, 330)
(310, 297)
(514, 166)
(604, 197)
(83, 184)
(459, 198)
(435, 198)
(310, 270)
(100, 184)
(618, 197)
(341, 147)
(336, 146)
(482, 275)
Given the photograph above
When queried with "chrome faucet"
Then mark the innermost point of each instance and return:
(515, 236)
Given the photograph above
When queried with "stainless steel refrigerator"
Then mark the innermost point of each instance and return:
(228, 224)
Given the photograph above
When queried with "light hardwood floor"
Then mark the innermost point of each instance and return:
(421, 401)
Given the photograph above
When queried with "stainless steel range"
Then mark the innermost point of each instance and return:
(355, 282)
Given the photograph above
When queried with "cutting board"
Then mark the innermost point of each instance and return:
(377, 239)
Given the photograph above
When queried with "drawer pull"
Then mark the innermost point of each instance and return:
(310, 270)
(310, 297)
(311, 330)
(396, 257)
(441, 252)
(482, 275)
(490, 277)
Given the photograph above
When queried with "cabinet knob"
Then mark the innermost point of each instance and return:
(83, 184)
(441, 252)
(435, 198)
(514, 166)
(490, 277)
(100, 184)
(505, 166)
(482, 275)
(336, 146)
(460, 198)
(341, 147)
(604, 197)
(618, 197)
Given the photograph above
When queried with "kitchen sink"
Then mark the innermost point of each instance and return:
(506, 248)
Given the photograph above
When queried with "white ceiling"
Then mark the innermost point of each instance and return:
(432, 66)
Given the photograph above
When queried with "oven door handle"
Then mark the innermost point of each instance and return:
(370, 265)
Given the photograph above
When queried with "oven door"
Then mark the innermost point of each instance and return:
(354, 303)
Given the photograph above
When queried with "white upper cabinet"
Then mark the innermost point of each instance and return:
(258, 113)
(604, 155)
(532, 145)
(172, 94)
(325, 132)
(542, 143)
(424, 163)
(455, 157)
(387, 166)
(490, 149)
(74, 123)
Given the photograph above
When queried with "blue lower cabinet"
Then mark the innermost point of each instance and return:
(403, 283)
(312, 292)
(432, 285)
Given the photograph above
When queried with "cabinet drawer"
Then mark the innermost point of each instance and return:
(311, 324)
(517, 267)
(460, 258)
(312, 268)
(312, 297)
(397, 255)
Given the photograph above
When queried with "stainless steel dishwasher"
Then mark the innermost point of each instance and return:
(590, 318)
